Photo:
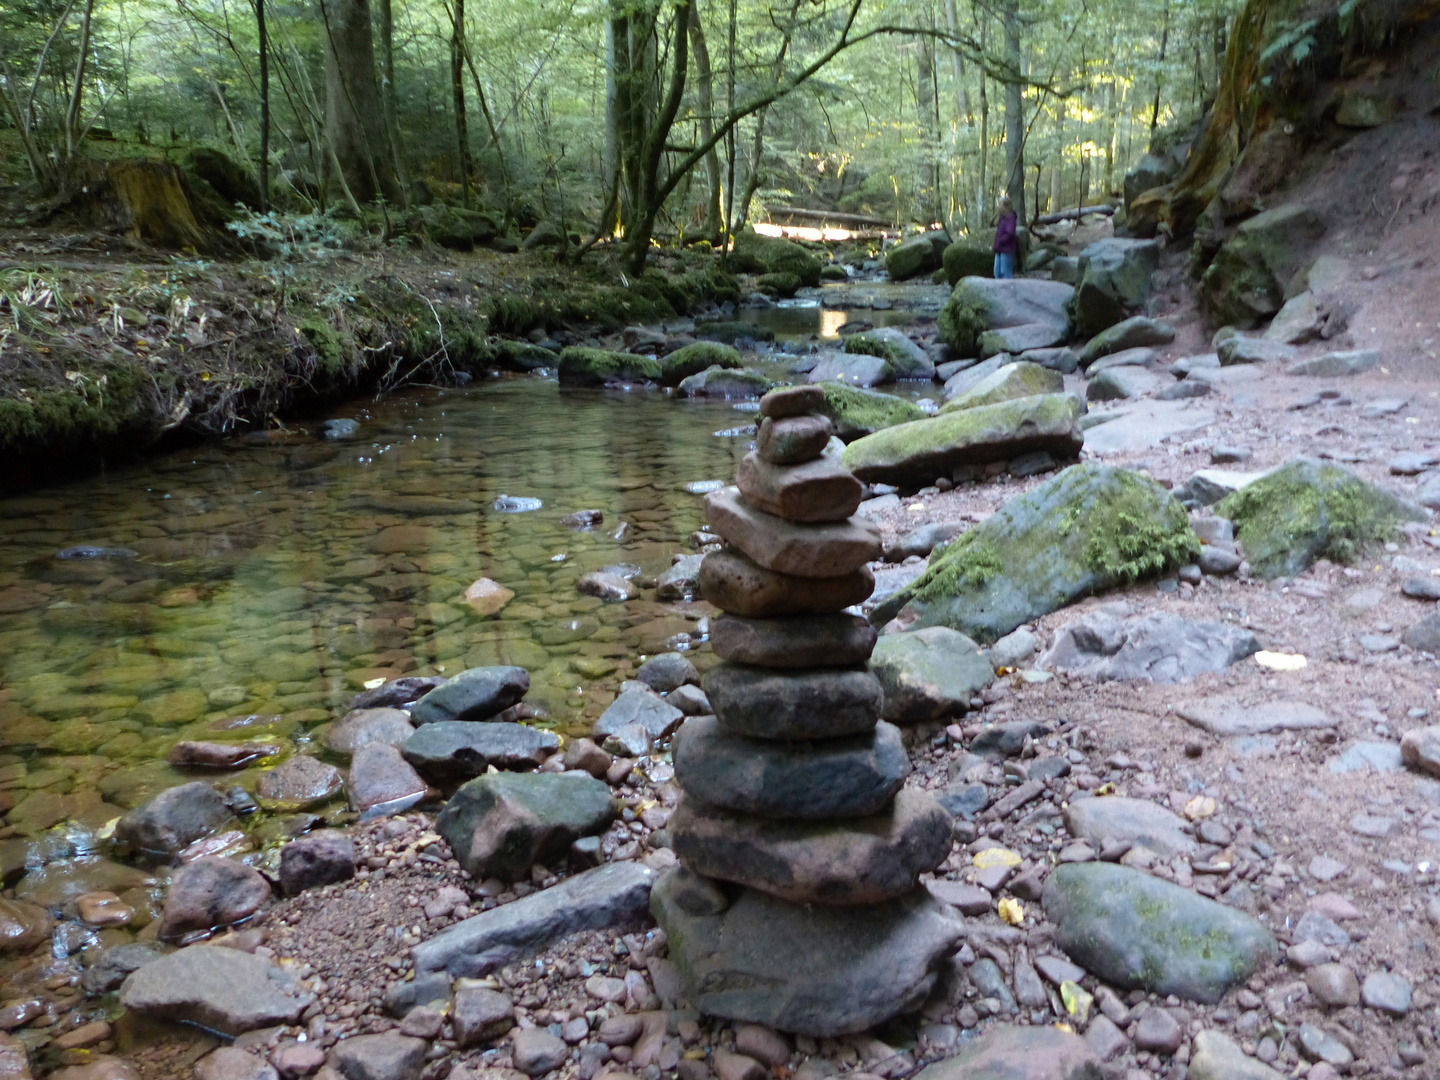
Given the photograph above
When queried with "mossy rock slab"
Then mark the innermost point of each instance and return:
(1248, 278)
(1307, 509)
(907, 359)
(916, 256)
(720, 382)
(756, 254)
(1019, 339)
(856, 413)
(1139, 932)
(783, 285)
(968, 258)
(1091, 528)
(1132, 333)
(523, 356)
(581, 366)
(694, 358)
(980, 304)
(1114, 282)
(918, 452)
(1020, 379)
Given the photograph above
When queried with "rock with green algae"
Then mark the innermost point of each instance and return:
(907, 360)
(523, 356)
(918, 255)
(968, 258)
(581, 366)
(1091, 528)
(721, 382)
(855, 412)
(980, 304)
(1308, 509)
(696, 357)
(918, 452)
(1016, 380)
(782, 285)
(1140, 932)
(756, 254)
(1249, 276)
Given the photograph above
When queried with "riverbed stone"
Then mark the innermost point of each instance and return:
(211, 893)
(667, 671)
(681, 581)
(382, 782)
(228, 990)
(1387, 992)
(917, 255)
(299, 782)
(361, 726)
(829, 778)
(813, 551)
(1114, 283)
(980, 304)
(641, 708)
(738, 585)
(1089, 529)
(397, 693)
(1228, 717)
(1157, 647)
(722, 382)
(474, 694)
(210, 755)
(536, 1052)
(859, 370)
(862, 860)
(792, 401)
(1337, 364)
(1140, 932)
(1013, 1052)
(818, 971)
(613, 895)
(322, 857)
(1308, 509)
(918, 452)
(387, 1056)
(907, 360)
(502, 824)
(929, 674)
(581, 366)
(1334, 984)
(696, 357)
(1027, 337)
(22, 926)
(798, 641)
(1214, 1056)
(1137, 822)
(451, 748)
(479, 1015)
(800, 703)
(1133, 333)
(173, 820)
(608, 587)
(792, 440)
(1019, 379)
(815, 491)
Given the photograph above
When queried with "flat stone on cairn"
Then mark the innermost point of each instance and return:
(796, 903)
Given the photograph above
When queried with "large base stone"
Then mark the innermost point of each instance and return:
(738, 585)
(812, 703)
(863, 860)
(819, 971)
(800, 642)
(826, 779)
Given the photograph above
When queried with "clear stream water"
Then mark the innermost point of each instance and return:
(270, 581)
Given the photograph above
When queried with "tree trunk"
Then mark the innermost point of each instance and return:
(264, 47)
(982, 189)
(354, 119)
(457, 95)
(388, 93)
(705, 88)
(72, 113)
(1014, 111)
(927, 100)
(1160, 72)
(649, 152)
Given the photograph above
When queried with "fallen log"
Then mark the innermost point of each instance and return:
(1074, 212)
(836, 216)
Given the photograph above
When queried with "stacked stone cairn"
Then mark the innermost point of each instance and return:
(797, 901)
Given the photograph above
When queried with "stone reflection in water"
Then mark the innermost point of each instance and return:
(274, 576)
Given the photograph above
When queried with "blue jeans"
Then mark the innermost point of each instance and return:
(1004, 264)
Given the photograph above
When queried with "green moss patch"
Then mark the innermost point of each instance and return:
(694, 358)
(580, 366)
(855, 412)
(1307, 510)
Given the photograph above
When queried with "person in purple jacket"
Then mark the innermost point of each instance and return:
(1007, 243)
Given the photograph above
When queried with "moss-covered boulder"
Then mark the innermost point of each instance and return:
(916, 256)
(457, 228)
(721, 382)
(918, 452)
(1091, 528)
(1114, 282)
(1020, 379)
(907, 359)
(1248, 278)
(779, 285)
(968, 258)
(1133, 333)
(523, 356)
(694, 358)
(580, 366)
(980, 304)
(833, 272)
(756, 254)
(855, 413)
(1306, 510)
